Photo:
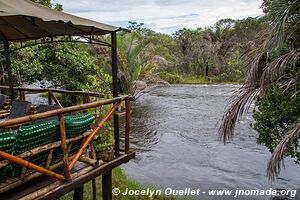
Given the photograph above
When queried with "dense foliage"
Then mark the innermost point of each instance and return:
(273, 78)
(275, 116)
(207, 55)
(216, 50)
(279, 103)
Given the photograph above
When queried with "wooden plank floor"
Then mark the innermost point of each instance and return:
(35, 189)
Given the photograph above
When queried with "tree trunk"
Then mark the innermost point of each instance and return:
(206, 68)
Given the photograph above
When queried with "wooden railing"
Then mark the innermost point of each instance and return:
(51, 91)
(65, 143)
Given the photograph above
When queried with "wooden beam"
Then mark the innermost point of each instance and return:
(27, 164)
(114, 57)
(64, 147)
(78, 193)
(90, 161)
(94, 188)
(5, 186)
(30, 118)
(55, 99)
(54, 90)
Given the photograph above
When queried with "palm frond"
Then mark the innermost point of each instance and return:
(283, 14)
(244, 98)
(276, 161)
(238, 106)
(278, 67)
(255, 71)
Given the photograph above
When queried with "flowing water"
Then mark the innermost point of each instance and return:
(175, 135)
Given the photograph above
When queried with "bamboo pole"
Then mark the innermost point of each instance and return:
(52, 113)
(27, 164)
(64, 147)
(94, 184)
(21, 95)
(89, 161)
(12, 183)
(92, 135)
(41, 90)
(49, 98)
(86, 98)
(49, 158)
(4, 111)
(55, 99)
(46, 147)
(92, 152)
(4, 115)
(23, 172)
(127, 125)
(70, 147)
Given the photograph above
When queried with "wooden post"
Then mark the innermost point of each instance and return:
(49, 159)
(9, 72)
(107, 186)
(21, 95)
(94, 184)
(86, 98)
(114, 58)
(94, 187)
(206, 68)
(78, 193)
(49, 97)
(127, 125)
(64, 147)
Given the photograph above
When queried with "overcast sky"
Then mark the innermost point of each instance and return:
(164, 16)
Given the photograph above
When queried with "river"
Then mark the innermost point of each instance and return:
(174, 132)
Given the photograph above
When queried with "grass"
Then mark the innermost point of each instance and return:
(120, 181)
(203, 80)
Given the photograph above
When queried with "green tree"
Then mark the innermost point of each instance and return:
(139, 55)
(275, 116)
(49, 4)
(73, 66)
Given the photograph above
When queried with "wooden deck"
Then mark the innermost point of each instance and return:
(59, 176)
(82, 174)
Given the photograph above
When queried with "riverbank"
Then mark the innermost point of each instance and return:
(204, 80)
(121, 181)
(196, 79)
